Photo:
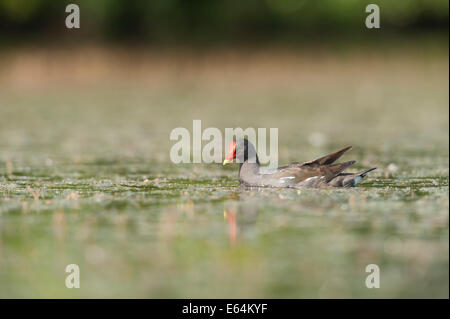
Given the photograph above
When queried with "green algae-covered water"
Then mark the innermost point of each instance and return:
(85, 178)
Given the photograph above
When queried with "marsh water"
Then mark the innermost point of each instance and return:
(85, 178)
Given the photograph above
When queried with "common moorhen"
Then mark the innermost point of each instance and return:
(318, 173)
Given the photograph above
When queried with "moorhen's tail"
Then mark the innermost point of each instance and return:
(364, 173)
(330, 158)
(359, 176)
(348, 179)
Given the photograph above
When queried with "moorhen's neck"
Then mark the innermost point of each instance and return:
(249, 162)
(251, 165)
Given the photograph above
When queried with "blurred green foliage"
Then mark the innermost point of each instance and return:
(180, 21)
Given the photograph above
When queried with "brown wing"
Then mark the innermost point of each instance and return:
(324, 160)
(300, 172)
(328, 159)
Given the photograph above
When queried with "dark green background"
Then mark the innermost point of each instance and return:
(217, 22)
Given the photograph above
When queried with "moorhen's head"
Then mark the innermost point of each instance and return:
(243, 150)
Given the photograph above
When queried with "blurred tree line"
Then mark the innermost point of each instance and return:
(210, 21)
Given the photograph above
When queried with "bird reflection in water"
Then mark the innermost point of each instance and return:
(230, 217)
(241, 217)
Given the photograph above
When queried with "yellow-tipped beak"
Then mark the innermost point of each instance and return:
(225, 162)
